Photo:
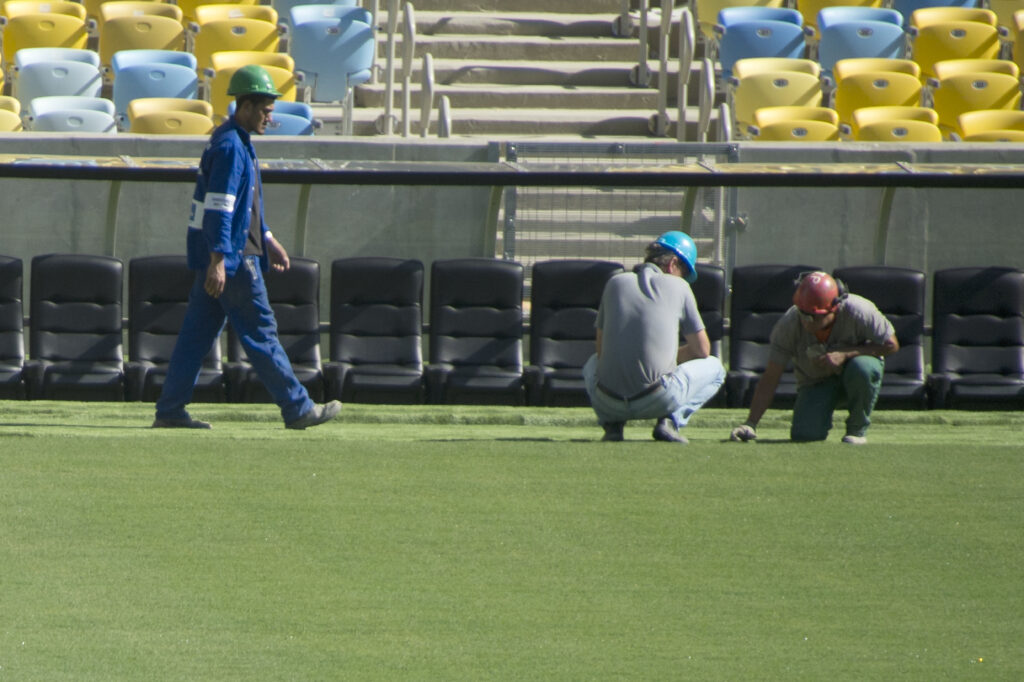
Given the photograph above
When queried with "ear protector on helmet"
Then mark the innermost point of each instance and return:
(818, 292)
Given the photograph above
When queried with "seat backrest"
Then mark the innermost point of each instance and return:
(30, 55)
(217, 12)
(954, 40)
(707, 11)
(172, 123)
(133, 8)
(908, 7)
(899, 294)
(123, 59)
(759, 38)
(284, 81)
(284, 7)
(907, 130)
(43, 30)
(476, 313)
(564, 300)
(43, 79)
(10, 122)
(798, 131)
(761, 294)
(44, 105)
(976, 123)
(333, 54)
(377, 312)
(950, 67)
(75, 308)
(773, 89)
(295, 297)
(304, 12)
(847, 67)
(141, 81)
(234, 34)
(75, 121)
(158, 292)
(12, 341)
(710, 290)
(188, 7)
(978, 321)
(857, 39)
(149, 32)
(876, 89)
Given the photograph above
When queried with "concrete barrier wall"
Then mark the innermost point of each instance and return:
(929, 229)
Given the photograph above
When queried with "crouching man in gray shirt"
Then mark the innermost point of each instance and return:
(640, 370)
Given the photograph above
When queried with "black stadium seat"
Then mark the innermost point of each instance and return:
(978, 341)
(761, 294)
(12, 340)
(376, 331)
(158, 292)
(295, 298)
(476, 331)
(75, 346)
(899, 295)
(563, 307)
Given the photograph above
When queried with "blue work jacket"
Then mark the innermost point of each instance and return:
(222, 201)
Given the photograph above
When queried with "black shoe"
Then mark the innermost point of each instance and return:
(317, 415)
(613, 432)
(666, 431)
(179, 423)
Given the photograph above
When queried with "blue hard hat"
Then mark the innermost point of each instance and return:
(682, 245)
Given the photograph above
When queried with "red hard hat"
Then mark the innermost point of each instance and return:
(816, 293)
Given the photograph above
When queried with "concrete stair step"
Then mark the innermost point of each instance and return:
(513, 123)
(528, 72)
(518, 96)
(529, 47)
(447, 22)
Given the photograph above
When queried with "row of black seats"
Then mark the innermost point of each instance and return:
(476, 330)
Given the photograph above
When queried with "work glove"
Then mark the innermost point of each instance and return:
(744, 432)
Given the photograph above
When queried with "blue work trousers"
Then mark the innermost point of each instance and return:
(682, 393)
(244, 302)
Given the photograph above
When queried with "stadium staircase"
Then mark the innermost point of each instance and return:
(522, 69)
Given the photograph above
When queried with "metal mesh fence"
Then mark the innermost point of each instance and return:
(615, 224)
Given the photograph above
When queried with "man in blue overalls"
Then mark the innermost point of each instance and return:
(229, 247)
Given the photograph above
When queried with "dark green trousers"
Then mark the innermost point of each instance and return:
(856, 387)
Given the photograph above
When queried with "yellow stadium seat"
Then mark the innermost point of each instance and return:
(766, 116)
(149, 32)
(950, 67)
(780, 88)
(204, 14)
(888, 114)
(172, 123)
(234, 34)
(10, 122)
(942, 15)
(152, 105)
(953, 40)
(14, 8)
(751, 65)
(965, 92)
(280, 66)
(137, 8)
(873, 89)
(899, 131)
(188, 7)
(1016, 30)
(848, 67)
(42, 30)
(9, 103)
(992, 125)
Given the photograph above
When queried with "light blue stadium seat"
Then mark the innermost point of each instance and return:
(744, 32)
(41, 106)
(74, 121)
(284, 7)
(852, 32)
(53, 71)
(334, 55)
(151, 73)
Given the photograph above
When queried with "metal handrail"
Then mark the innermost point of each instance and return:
(622, 26)
(640, 75)
(660, 121)
(426, 94)
(706, 98)
(386, 124)
(687, 49)
(444, 117)
(408, 55)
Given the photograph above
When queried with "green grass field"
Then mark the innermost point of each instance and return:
(470, 543)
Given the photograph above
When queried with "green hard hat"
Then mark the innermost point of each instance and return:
(252, 80)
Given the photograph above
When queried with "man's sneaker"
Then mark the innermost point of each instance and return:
(613, 432)
(850, 439)
(179, 423)
(666, 431)
(318, 414)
